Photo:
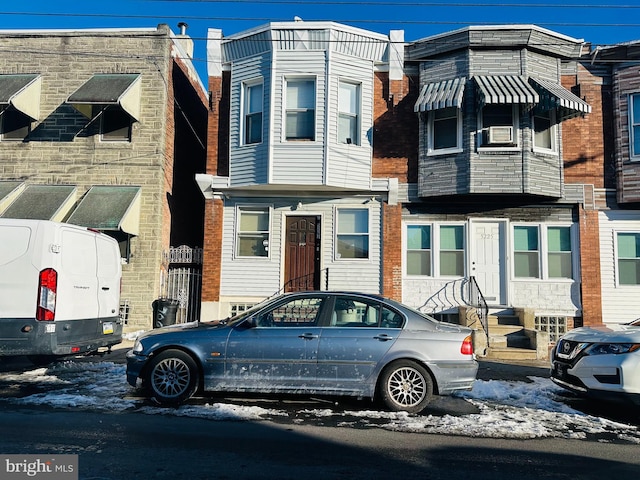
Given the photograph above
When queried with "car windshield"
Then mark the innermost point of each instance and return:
(635, 323)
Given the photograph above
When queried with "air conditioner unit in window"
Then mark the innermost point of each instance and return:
(500, 135)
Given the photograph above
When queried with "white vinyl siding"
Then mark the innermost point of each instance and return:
(248, 163)
(262, 277)
(620, 303)
(349, 165)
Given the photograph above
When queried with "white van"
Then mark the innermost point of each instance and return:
(59, 289)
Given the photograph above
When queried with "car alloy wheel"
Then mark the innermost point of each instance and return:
(406, 386)
(172, 377)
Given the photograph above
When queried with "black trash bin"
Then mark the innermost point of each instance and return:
(164, 312)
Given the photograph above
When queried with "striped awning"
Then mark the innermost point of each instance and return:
(506, 89)
(554, 95)
(447, 93)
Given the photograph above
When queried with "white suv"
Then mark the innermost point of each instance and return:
(601, 362)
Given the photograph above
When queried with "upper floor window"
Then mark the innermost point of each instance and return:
(629, 258)
(445, 130)
(253, 102)
(452, 250)
(348, 113)
(253, 232)
(499, 125)
(115, 125)
(14, 125)
(300, 109)
(544, 132)
(634, 127)
(418, 250)
(352, 233)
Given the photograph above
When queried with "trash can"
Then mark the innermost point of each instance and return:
(164, 312)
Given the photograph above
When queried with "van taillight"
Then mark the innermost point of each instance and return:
(467, 346)
(48, 286)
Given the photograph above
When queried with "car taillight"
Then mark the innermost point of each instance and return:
(48, 286)
(467, 346)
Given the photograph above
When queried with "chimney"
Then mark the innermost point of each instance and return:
(184, 40)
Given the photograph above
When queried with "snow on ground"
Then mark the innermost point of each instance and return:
(506, 409)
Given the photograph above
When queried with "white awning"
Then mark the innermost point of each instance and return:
(42, 202)
(109, 207)
(506, 89)
(554, 95)
(22, 92)
(448, 93)
(122, 89)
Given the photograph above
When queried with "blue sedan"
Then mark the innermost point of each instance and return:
(331, 343)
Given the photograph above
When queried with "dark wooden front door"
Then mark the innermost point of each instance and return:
(302, 257)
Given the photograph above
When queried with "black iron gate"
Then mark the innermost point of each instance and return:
(182, 281)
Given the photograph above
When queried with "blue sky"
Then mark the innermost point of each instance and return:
(593, 21)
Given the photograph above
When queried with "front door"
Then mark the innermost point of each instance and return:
(302, 255)
(488, 259)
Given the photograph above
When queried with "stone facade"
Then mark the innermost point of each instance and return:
(161, 152)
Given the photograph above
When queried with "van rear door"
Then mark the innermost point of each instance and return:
(109, 273)
(77, 279)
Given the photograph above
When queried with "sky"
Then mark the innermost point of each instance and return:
(497, 409)
(593, 21)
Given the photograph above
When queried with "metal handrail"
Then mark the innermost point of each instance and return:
(477, 300)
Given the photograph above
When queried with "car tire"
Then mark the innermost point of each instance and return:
(171, 378)
(405, 386)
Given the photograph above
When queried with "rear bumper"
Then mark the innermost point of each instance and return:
(26, 336)
(454, 376)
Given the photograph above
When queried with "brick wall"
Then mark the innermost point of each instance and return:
(590, 267)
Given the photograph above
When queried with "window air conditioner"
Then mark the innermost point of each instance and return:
(500, 135)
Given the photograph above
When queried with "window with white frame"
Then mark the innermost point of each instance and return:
(628, 258)
(252, 231)
(634, 125)
(559, 252)
(452, 250)
(544, 131)
(352, 238)
(499, 125)
(300, 109)
(418, 250)
(526, 251)
(349, 113)
(253, 106)
(445, 130)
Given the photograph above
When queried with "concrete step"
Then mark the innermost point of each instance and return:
(517, 354)
(503, 320)
(505, 329)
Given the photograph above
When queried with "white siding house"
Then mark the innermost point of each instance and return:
(300, 209)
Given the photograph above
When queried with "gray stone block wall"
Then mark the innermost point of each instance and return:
(57, 152)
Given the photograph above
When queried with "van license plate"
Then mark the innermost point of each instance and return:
(107, 328)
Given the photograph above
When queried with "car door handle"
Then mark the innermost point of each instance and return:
(384, 337)
(308, 336)
(105, 288)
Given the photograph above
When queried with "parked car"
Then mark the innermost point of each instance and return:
(601, 362)
(332, 343)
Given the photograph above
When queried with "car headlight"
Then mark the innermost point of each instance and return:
(137, 346)
(612, 348)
